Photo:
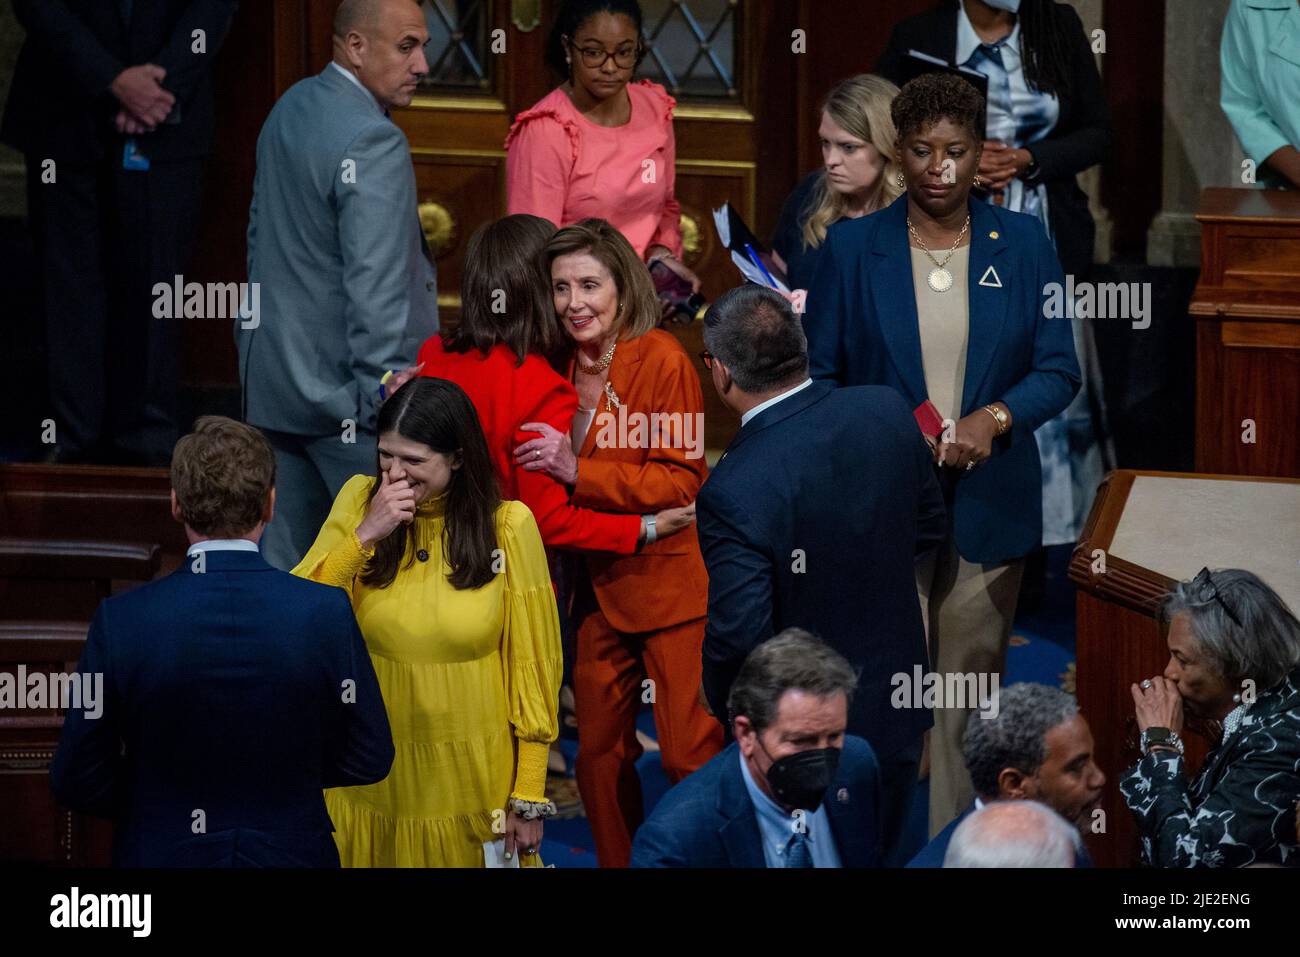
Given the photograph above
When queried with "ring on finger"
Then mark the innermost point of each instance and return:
(537, 453)
(1146, 683)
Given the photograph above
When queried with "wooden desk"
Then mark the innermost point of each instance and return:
(1153, 529)
(1247, 311)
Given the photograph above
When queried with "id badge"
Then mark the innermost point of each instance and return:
(132, 158)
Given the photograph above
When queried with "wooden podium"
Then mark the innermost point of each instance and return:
(1147, 531)
(1247, 311)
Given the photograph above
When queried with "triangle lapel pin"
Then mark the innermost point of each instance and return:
(995, 283)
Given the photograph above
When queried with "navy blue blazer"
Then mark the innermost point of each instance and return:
(708, 819)
(932, 854)
(813, 518)
(862, 329)
(233, 695)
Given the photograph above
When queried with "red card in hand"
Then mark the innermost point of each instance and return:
(928, 418)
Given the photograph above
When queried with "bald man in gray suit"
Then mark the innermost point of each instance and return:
(345, 287)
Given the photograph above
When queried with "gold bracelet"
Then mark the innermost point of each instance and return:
(1002, 420)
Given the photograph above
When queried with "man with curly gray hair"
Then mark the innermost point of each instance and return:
(1036, 747)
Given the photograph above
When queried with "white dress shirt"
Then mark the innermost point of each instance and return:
(744, 419)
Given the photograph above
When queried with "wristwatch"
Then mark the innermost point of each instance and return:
(1160, 736)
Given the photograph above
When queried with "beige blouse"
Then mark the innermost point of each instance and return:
(944, 322)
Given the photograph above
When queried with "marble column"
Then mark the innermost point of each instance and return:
(1200, 148)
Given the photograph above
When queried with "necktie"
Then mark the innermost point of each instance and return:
(797, 852)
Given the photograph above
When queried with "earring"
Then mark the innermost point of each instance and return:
(1236, 698)
(976, 182)
(902, 183)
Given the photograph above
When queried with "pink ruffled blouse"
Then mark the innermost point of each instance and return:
(564, 167)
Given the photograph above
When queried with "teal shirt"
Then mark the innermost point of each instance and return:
(1260, 64)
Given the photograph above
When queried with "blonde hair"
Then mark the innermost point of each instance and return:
(636, 290)
(860, 107)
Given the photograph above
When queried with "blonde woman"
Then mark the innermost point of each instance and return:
(859, 174)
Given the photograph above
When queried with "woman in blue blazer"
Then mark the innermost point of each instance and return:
(946, 298)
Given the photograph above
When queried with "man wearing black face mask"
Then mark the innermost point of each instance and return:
(793, 790)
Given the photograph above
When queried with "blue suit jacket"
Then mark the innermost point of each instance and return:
(862, 329)
(225, 713)
(813, 518)
(932, 854)
(708, 820)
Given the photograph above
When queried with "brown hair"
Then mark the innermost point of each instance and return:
(609, 247)
(221, 473)
(504, 295)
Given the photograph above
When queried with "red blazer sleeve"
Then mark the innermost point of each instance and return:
(562, 524)
(666, 477)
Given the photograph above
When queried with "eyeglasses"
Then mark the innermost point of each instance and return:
(593, 58)
(1209, 592)
(707, 358)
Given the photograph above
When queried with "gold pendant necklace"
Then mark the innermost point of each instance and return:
(599, 365)
(939, 278)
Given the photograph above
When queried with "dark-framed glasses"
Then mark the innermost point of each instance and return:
(594, 57)
(1206, 590)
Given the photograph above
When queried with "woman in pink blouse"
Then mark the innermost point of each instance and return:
(600, 145)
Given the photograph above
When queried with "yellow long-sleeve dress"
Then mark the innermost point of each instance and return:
(470, 680)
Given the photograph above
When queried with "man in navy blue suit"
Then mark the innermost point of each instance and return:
(793, 790)
(813, 518)
(234, 692)
(1037, 747)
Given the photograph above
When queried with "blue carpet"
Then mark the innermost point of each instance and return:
(1042, 650)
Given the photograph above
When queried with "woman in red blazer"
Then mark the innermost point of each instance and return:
(636, 447)
(497, 355)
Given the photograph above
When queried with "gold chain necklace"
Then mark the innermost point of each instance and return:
(939, 279)
(601, 364)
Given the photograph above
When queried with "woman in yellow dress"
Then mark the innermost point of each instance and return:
(451, 590)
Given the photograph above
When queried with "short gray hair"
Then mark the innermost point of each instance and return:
(792, 660)
(1262, 644)
(1017, 737)
(1014, 834)
(760, 340)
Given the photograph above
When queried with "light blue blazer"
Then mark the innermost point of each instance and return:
(346, 290)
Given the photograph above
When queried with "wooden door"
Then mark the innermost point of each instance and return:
(486, 66)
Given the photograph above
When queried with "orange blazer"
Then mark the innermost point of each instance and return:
(621, 470)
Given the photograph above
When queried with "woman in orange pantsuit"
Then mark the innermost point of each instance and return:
(636, 446)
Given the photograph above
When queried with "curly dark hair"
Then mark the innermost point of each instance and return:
(932, 97)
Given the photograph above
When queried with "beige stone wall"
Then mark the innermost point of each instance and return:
(13, 200)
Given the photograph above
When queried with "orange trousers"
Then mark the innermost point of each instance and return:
(613, 674)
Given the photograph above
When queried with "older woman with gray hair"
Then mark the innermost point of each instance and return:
(1234, 651)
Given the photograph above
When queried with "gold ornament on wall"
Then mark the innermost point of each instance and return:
(439, 227)
(690, 228)
(526, 14)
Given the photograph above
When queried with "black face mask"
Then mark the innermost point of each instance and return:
(800, 780)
